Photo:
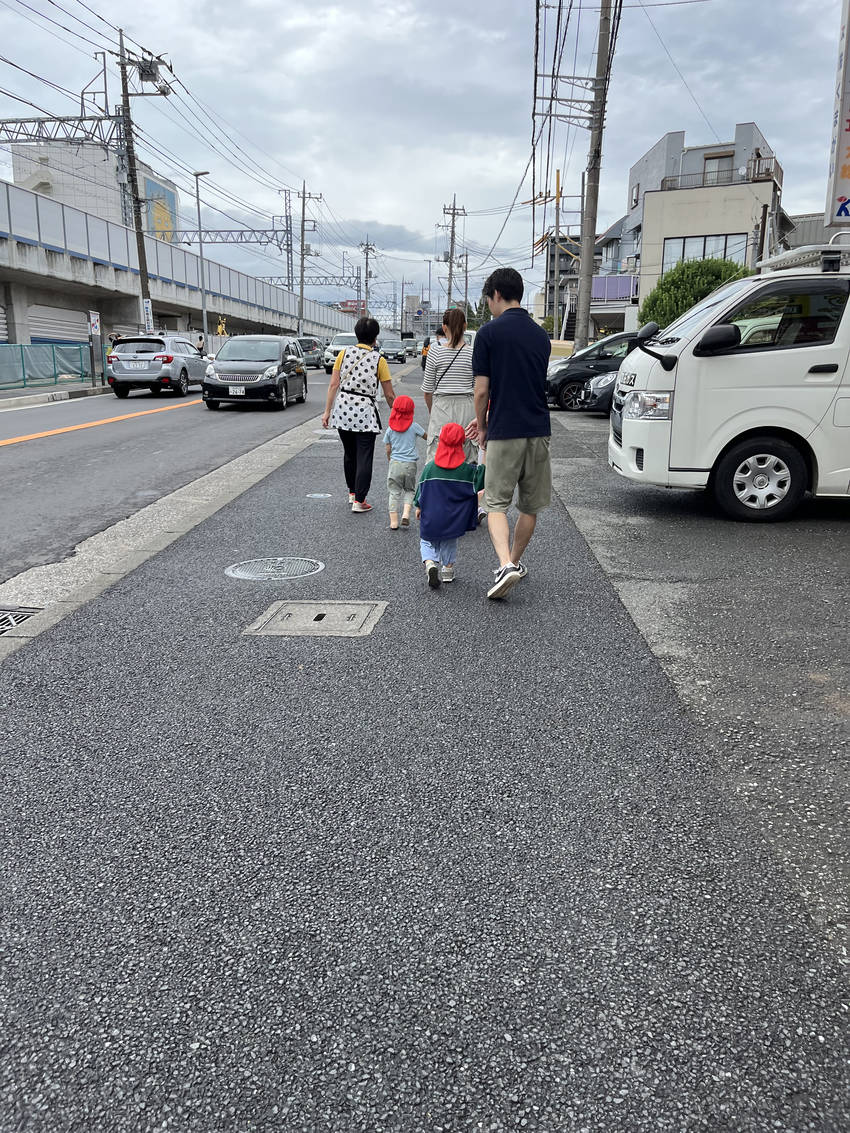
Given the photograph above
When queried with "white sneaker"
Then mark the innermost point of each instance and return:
(432, 569)
(448, 573)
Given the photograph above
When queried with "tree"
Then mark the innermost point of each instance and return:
(478, 316)
(683, 286)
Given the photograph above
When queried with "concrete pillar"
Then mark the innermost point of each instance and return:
(17, 313)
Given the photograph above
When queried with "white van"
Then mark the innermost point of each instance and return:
(748, 393)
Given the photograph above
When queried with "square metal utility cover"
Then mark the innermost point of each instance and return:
(317, 619)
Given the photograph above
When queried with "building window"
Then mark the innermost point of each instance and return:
(718, 169)
(634, 197)
(732, 247)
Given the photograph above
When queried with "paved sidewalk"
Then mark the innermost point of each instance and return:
(478, 870)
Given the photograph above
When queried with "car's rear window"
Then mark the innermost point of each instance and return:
(139, 346)
(307, 343)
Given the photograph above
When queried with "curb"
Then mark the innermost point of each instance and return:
(54, 395)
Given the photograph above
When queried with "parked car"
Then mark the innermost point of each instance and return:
(565, 380)
(338, 342)
(313, 352)
(154, 362)
(265, 368)
(393, 349)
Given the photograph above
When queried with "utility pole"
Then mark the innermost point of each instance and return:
(428, 318)
(130, 146)
(454, 212)
(367, 249)
(594, 164)
(556, 326)
(401, 316)
(198, 176)
(465, 284)
(305, 196)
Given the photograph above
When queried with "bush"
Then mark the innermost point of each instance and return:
(683, 286)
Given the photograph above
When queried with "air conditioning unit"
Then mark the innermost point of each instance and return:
(630, 263)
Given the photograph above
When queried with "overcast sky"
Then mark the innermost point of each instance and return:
(389, 108)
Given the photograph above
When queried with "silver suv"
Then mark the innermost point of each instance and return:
(154, 362)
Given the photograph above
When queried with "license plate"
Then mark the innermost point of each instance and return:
(137, 365)
(235, 391)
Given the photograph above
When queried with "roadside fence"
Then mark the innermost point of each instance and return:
(44, 365)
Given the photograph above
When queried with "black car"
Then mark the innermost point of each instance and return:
(568, 377)
(393, 350)
(265, 368)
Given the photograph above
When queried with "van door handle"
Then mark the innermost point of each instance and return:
(825, 368)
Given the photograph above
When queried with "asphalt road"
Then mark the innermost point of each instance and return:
(60, 489)
(482, 870)
(750, 621)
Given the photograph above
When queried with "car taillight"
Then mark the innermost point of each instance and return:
(163, 357)
(110, 359)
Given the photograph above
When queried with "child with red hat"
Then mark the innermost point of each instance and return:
(447, 503)
(400, 439)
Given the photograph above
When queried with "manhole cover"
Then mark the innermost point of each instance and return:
(317, 619)
(318, 495)
(13, 616)
(274, 570)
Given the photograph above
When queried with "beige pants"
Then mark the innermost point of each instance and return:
(457, 407)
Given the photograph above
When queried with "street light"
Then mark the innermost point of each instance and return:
(198, 176)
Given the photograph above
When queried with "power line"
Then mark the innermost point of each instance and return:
(70, 31)
(678, 72)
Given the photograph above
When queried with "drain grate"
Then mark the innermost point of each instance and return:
(274, 570)
(317, 619)
(13, 616)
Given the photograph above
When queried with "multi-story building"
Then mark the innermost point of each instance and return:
(689, 203)
(92, 179)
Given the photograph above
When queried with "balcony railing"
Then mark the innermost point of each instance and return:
(614, 288)
(758, 169)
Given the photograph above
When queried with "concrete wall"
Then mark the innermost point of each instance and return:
(697, 212)
(661, 161)
(748, 138)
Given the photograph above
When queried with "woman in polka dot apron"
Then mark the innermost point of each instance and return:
(352, 409)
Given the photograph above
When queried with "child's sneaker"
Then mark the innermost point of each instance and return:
(448, 574)
(356, 507)
(432, 569)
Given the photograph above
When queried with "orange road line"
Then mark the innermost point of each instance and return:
(92, 424)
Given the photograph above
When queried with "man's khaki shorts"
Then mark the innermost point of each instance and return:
(518, 463)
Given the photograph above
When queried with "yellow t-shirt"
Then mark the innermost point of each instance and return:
(384, 374)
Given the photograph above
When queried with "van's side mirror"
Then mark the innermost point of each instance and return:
(648, 330)
(724, 336)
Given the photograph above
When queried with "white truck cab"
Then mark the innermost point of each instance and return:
(748, 392)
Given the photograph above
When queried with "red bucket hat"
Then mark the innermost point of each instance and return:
(450, 452)
(401, 414)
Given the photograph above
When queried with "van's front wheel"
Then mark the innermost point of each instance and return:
(760, 480)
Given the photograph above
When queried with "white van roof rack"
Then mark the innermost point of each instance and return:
(830, 257)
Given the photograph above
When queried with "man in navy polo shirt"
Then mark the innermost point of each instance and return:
(509, 361)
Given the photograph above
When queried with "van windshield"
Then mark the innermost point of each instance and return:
(248, 350)
(687, 323)
(345, 340)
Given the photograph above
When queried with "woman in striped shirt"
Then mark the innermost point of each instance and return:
(448, 383)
